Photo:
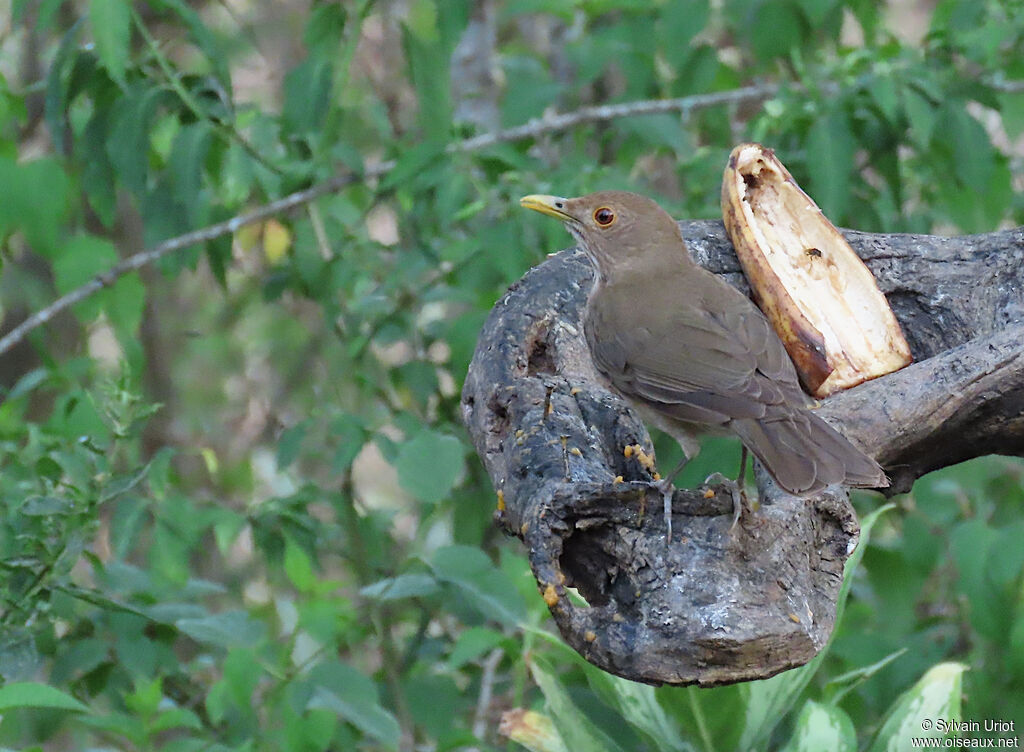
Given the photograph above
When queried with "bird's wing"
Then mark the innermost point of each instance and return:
(708, 358)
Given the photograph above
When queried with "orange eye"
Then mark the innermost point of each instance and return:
(604, 216)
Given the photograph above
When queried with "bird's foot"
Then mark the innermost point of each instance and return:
(738, 493)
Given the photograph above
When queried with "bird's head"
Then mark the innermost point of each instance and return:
(614, 228)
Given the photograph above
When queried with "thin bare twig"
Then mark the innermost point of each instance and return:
(549, 124)
(203, 235)
(531, 129)
(483, 704)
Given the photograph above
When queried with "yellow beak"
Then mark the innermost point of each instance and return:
(553, 206)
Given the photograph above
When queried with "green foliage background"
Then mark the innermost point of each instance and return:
(237, 508)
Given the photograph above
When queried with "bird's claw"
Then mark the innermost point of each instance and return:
(738, 493)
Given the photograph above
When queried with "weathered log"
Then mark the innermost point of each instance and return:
(717, 606)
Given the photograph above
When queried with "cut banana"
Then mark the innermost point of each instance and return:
(820, 297)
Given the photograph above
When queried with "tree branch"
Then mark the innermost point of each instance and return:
(721, 606)
(531, 129)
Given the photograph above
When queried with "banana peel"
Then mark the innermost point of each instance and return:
(819, 296)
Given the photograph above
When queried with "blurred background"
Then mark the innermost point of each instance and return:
(238, 510)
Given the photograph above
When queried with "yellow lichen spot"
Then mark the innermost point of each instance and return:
(576, 452)
(646, 460)
(501, 501)
(709, 493)
(589, 636)
(794, 618)
(523, 528)
(520, 433)
(574, 391)
(551, 596)
(627, 451)
(618, 479)
(656, 476)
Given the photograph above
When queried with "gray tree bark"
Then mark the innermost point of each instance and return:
(720, 606)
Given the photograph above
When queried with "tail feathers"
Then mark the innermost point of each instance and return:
(805, 454)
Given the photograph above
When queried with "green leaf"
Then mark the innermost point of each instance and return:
(817, 11)
(638, 705)
(57, 92)
(422, 20)
(297, 566)
(203, 37)
(530, 90)
(412, 162)
(838, 687)
(81, 259)
(176, 718)
(413, 585)
(325, 27)
(112, 29)
(972, 152)
(351, 436)
(225, 629)
(44, 506)
(429, 465)
(19, 657)
(187, 160)
(307, 95)
(98, 178)
(34, 198)
(78, 659)
(488, 588)
(830, 151)
(242, 674)
(679, 23)
(472, 644)
(128, 137)
(776, 29)
(1011, 105)
(290, 444)
(1015, 642)
(573, 726)
(27, 383)
(343, 690)
(820, 727)
(884, 91)
(428, 62)
(972, 544)
(33, 695)
(370, 719)
(936, 696)
(120, 484)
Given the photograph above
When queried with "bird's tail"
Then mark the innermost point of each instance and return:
(805, 454)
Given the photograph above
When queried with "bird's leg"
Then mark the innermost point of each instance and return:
(741, 483)
(665, 486)
(737, 488)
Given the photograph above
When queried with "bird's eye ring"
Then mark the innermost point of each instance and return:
(604, 216)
